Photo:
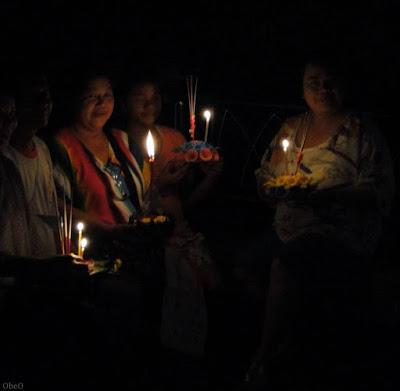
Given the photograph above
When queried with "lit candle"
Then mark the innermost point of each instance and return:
(207, 116)
(83, 245)
(150, 147)
(80, 226)
(285, 146)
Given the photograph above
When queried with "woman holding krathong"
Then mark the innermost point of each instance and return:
(142, 102)
(329, 177)
(189, 267)
(107, 186)
(95, 167)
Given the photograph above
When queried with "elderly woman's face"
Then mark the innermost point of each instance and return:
(96, 104)
(321, 90)
(143, 104)
(8, 120)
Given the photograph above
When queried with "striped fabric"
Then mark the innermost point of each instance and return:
(95, 188)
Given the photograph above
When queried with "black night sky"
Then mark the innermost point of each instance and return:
(249, 52)
(248, 56)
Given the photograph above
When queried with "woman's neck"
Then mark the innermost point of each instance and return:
(326, 120)
(88, 134)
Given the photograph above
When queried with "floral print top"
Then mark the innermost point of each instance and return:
(355, 155)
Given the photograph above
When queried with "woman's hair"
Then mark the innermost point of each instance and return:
(331, 64)
(135, 79)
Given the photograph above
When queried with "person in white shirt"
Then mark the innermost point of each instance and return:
(17, 239)
(32, 160)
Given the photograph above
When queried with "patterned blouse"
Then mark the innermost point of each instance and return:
(356, 154)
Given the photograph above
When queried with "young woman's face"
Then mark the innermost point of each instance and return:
(143, 104)
(96, 104)
(321, 90)
(8, 120)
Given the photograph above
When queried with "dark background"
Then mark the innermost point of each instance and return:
(248, 52)
(248, 56)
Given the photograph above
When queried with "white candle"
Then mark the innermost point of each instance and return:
(285, 146)
(80, 226)
(207, 116)
(150, 147)
(84, 244)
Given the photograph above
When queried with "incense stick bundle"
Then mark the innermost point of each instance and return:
(191, 84)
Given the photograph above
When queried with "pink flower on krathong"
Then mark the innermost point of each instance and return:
(215, 155)
(206, 155)
(191, 155)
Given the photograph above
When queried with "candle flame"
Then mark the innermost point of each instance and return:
(207, 114)
(150, 146)
(285, 145)
(84, 243)
(80, 226)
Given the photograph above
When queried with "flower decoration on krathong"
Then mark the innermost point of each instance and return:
(154, 227)
(157, 219)
(289, 181)
(291, 186)
(198, 151)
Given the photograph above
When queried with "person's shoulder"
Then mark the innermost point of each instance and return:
(369, 128)
(120, 135)
(118, 132)
(289, 125)
(44, 155)
(41, 146)
(61, 144)
(61, 135)
(9, 153)
(294, 121)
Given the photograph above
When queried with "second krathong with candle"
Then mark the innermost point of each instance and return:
(290, 186)
(196, 150)
(149, 220)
